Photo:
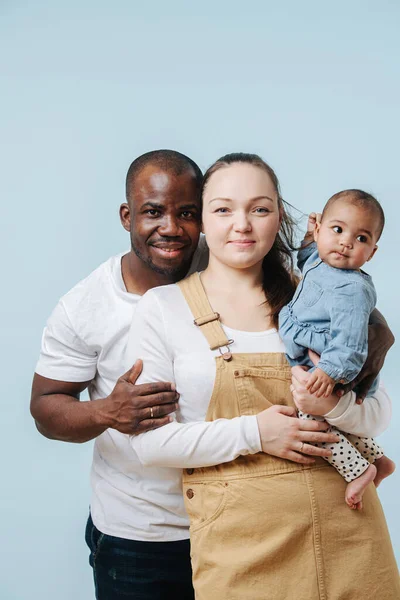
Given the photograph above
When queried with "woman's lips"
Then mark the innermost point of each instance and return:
(242, 243)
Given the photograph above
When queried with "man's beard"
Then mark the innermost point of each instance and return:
(174, 272)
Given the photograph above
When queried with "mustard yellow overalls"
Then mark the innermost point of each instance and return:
(264, 528)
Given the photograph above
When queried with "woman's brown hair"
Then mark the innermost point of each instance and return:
(279, 282)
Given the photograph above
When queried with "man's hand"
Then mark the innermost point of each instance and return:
(130, 408)
(380, 340)
(320, 384)
(283, 434)
(134, 409)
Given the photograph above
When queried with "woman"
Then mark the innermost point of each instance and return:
(261, 525)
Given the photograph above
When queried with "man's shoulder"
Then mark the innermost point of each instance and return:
(101, 277)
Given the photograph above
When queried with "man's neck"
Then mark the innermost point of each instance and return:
(139, 277)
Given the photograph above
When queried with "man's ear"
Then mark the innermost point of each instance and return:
(373, 252)
(125, 216)
(316, 230)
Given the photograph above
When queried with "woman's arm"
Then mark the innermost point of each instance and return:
(366, 420)
(276, 430)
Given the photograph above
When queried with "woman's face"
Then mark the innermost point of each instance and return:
(241, 217)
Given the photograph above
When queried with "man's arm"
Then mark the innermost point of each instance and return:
(130, 408)
(380, 340)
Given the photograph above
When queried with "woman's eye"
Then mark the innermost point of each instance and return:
(337, 229)
(362, 238)
(261, 210)
(222, 210)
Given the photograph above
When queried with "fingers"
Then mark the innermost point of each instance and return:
(149, 424)
(300, 375)
(135, 371)
(314, 357)
(314, 437)
(155, 387)
(315, 450)
(310, 425)
(299, 458)
(157, 411)
(313, 384)
(154, 400)
(363, 387)
(290, 411)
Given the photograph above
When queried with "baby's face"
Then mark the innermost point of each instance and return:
(346, 238)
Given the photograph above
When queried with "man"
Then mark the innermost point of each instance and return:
(83, 347)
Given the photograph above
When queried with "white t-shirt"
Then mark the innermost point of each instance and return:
(174, 349)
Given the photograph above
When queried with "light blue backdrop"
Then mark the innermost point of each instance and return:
(88, 85)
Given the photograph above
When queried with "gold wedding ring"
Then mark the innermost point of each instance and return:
(151, 413)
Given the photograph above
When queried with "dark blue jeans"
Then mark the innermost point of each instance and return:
(124, 569)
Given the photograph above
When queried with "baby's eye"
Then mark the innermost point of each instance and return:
(362, 238)
(337, 229)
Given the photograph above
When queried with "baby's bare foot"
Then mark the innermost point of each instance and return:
(385, 467)
(356, 488)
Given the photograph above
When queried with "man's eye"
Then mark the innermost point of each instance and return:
(362, 238)
(337, 229)
(188, 214)
(152, 212)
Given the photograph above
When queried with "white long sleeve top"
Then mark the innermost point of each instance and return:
(174, 349)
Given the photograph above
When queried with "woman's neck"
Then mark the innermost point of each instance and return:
(237, 295)
(228, 279)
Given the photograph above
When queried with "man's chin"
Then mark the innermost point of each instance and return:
(174, 270)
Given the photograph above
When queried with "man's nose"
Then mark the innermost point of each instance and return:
(170, 226)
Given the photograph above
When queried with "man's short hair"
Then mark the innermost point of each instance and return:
(166, 160)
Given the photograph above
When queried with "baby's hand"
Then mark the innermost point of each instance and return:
(320, 384)
(313, 218)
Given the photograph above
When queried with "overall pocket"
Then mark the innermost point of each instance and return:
(260, 388)
(205, 502)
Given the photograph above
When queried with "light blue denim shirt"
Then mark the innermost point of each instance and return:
(329, 314)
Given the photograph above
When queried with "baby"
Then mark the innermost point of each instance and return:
(329, 314)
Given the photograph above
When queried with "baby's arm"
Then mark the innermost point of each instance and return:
(349, 306)
(308, 247)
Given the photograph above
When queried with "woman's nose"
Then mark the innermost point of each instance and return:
(242, 222)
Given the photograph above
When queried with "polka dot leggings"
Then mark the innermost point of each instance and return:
(352, 455)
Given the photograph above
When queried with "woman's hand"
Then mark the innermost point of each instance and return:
(304, 400)
(283, 434)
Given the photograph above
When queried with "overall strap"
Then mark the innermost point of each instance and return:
(204, 316)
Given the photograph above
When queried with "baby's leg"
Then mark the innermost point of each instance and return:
(374, 454)
(350, 463)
